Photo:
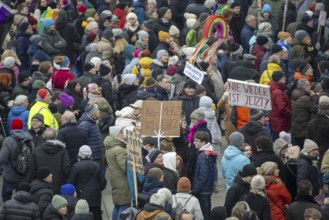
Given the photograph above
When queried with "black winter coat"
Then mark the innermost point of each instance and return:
(21, 207)
(189, 104)
(52, 214)
(229, 66)
(170, 180)
(245, 71)
(71, 203)
(295, 210)
(5, 97)
(89, 183)
(41, 194)
(197, 9)
(152, 185)
(290, 177)
(127, 94)
(51, 154)
(260, 205)
(81, 216)
(325, 211)
(37, 136)
(73, 137)
(22, 45)
(178, 9)
(160, 26)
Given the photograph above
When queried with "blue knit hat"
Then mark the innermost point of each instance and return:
(67, 190)
(48, 22)
(267, 8)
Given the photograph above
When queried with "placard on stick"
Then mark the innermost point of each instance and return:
(250, 95)
(193, 73)
(134, 151)
(161, 118)
(322, 18)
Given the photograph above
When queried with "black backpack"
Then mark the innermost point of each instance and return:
(21, 159)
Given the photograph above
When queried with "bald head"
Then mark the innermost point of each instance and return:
(251, 20)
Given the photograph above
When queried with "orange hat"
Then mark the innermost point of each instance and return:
(163, 35)
(42, 93)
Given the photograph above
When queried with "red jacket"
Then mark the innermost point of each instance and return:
(61, 77)
(280, 115)
(121, 14)
(278, 196)
(259, 52)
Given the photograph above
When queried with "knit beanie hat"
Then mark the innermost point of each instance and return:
(81, 207)
(23, 26)
(42, 173)
(129, 79)
(277, 75)
(137, 104)
(104, 70)
(154, 154)
(142, 34)
(88, 66)
(309, 145)
(66, 100)
(91, 36)
(198, 115)
(157, 199)
(42, 93)
(255, 114)
(24, 186)
(190, 84)
(265, 28)
(91, 108)
(205, 101)
(126, 112)
(248, 170)
(35, 39)
(48, 22)
(184, 185)
(304, 67)
(285, 136)
(155, 172)
(163, 35)
(115, 130)
(9, 62)
(283, 35)
(131, 15)
(267, 8)
(85, 152)
(261, 40)
(58, 201)
(269, 167)
(199, 90)
(151, 84)
(67, 190)
(136, 53)
(258, 182)
(161, 53)
(218, 213)
(38, 117)
(16, 124)
(276, 49)
(23, 77)
(92, 25)
(173, 30)
(306, 19)
(90, 13)
(236, 139)
(300, 35)
(190, 23)
(82, 8)
(323, 105)
(278, 145)
(162, 11)
(108, 33)
(20, 99)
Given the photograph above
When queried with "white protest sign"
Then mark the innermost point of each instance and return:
(251, 95)
(322, 18)
(193, 73)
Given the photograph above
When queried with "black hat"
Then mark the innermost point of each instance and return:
(88, 66)
(154, 154)
(256, 114)
(24, 186)
(148, 24)
(23, 26)
(42, 173)
(261, 40)
(306, 19)
(39, 117)
(22, 77)
(104, 70)
(277, 75)
(248, 170)
(275, 49)
(190, 84)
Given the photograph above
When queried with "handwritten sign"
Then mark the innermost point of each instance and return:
(250, 95)
(161, 118)
(322, 18)
(134, 151)
(193, 73)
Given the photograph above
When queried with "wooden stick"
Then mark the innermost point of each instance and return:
(3, 128)
(285, 14)
(259, 3)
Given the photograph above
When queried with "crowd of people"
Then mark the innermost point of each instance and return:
(73, 79)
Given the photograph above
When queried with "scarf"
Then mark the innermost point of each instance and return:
(193, 130)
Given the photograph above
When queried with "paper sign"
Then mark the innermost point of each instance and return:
(250, 95)
(322, 18)
(193, 73)
(161, 118)
(134, 151)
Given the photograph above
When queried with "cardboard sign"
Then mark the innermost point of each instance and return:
(161, 118)
(250, 95)
(193, 73)
(322, 18)
(134, 152)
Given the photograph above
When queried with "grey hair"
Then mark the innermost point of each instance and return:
(69, 116)
(248, 18)
(49, 134)
(274, 59)
(301, 83)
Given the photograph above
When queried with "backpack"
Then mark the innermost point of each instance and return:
(21, 159)
(12, 35)
(179, 206)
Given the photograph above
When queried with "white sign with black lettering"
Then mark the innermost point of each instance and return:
(193, 73)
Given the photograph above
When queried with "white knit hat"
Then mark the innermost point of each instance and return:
(173, 30)
(20, 99)
(115, 130)
(190, 22)
(258, 182)
(85, 152)
(126, 112)
(131, 15)
(129, 79)
(92, 25)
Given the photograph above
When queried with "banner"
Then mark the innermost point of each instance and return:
(193, 73)
(322, 18)
(134, 152)
(161, 118)
(251, 95)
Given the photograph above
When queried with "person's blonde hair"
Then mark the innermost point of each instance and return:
(119, 45)
(274, 59)
(293, 152)
(59, 59)
(44, 67)
(10, 53)
(239, 209)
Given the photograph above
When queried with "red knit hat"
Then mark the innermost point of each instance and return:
(16, 124)
(82, 8)
(42, 93)
(183, 185)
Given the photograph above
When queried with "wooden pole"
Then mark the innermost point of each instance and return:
(259, 3)
(285, 14)
(3, 128)
(133, 137)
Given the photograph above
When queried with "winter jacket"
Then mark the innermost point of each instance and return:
(267, 74)
(121, 14)
(203, 181)
(94, 137)
(162, 94)
(268, 155)
(37, 136)
(85, 176)
(170, 176)
(139, 10)
(245, 71)
(41, 194)
(42, 108)
(20, 90)
(259, 52)
(217, 80)
(302, 107)
(292, 27)
(297, 51)
(259, 204)
(307, 171)
(161, 26)
(73, 137)
(21, 207)
(127, 94)
(91, 50)
(36, 51)
(178, 9)
(280, 115)
(104, 47)
(278, 196)
(83, 216)
(290, 177)
(5, 98)
(236, 25)
(52, 214)
(116, 156)
(150, 212)
(8, 148)
(191, 203)
(232, 163)
(52, 43)
(197, 9)
(229, 66)
(157, 69)
(22, 45)
(227, 109)
(325, 211)
(51, 154)
(152, 185)
(295, 210)
(238, 192)
(18, 112)
(145, 63)
(290, 16)
(246, 33)
(189, 104)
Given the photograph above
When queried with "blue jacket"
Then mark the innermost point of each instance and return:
(152, 185)
(232, 163)
(246, 33)
(203, 181)
(22, 44)
(35, 51)
(139, 11)
(18, 112)
(93, 135)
